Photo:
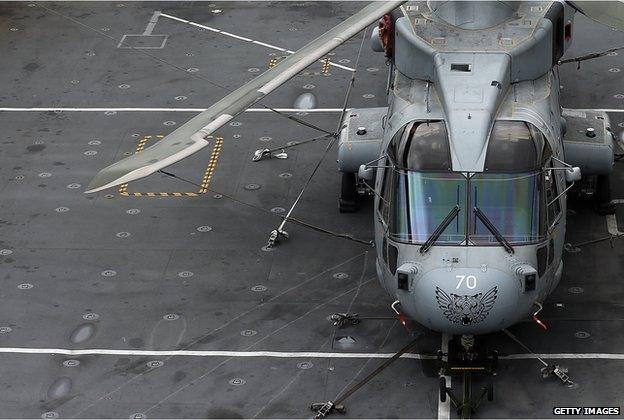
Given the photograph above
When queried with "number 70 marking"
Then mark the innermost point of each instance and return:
(471, 281)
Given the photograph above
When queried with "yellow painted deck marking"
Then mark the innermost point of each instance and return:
(206, 178)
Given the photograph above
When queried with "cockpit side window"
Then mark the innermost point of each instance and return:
(421, 146)
(552, 193)
(514, 146)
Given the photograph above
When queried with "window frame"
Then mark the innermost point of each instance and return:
(550, 173)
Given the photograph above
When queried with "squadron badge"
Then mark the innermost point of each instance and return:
(466, 309)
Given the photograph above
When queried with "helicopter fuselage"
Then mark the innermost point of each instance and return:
(470, 206)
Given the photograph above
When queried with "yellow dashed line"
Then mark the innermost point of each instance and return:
(205, 182)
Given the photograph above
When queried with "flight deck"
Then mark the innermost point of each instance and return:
(160, 299)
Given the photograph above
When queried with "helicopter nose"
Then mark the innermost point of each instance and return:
(468, 301)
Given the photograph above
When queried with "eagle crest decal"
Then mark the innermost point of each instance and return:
(466, 309)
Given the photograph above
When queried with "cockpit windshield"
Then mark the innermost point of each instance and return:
(421, 192)
(422, 201)
(510, 201)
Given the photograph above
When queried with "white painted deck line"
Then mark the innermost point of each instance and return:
(69, 109)
(283, 354)
(149, 109)
(242, 38)
(444, 408)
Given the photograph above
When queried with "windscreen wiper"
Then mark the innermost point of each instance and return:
(441, 228)
(490, 226)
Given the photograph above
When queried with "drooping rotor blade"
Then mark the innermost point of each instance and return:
(191, 137)
(610, 13)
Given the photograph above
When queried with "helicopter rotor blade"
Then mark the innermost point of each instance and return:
(194, 135)
(610, 13)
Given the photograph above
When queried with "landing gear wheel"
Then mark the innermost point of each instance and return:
(348, 194)
(490, 390)
(442, 389)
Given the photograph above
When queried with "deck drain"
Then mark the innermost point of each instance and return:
(285, 175)
(576, 290)
(90, 153)
(133, 211)
(618, 96)
(45, 175)
(582, 334)
(372, 69)
(252, 187)
(74, 186)
(19, 177)
(25, 286)
(253, 70)
(124, 86)
(237, 381)
(192, 70)
(123, 234)
(309, 86)
(91, 316)
(5, 252)
(344, 61)
(138, 416)
(169, 123)
(248, 333)
(94, 143)
(236, 124)
(181, 98)
(204, 229)
(61, 209)
(5, 330)
(265, 138)
(278, 210)
(614, 70)
(75, 82)
(108, 273)
(110, 112)
(155, 363)
(236, 136)
(305, 365)
(258, 288)
(340, 276)
(171, 317)
(185, 274)
(50, 415)
(71, 363)
(218, 196)
(368, 96)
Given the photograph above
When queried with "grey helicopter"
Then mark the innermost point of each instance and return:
(470, 163)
